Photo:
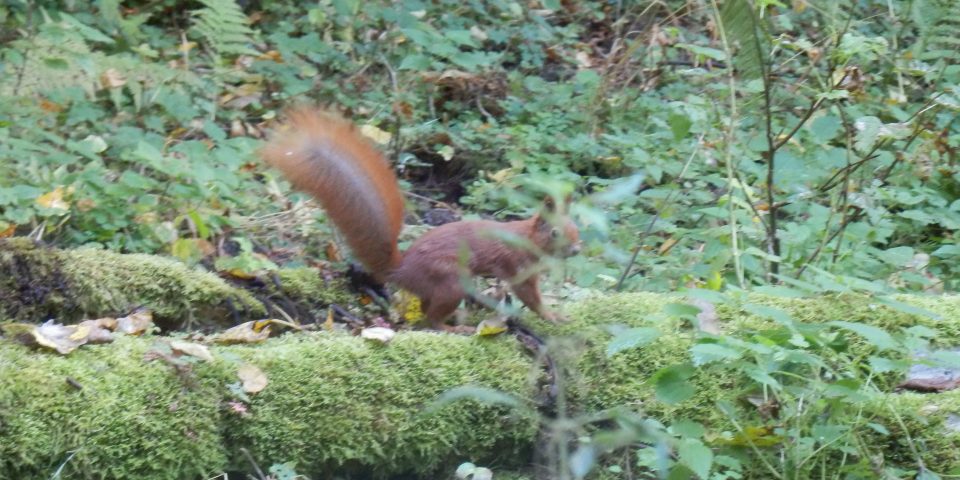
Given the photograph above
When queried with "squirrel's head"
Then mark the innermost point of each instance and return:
(559, 236)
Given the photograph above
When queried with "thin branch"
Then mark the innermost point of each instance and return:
(656, 217)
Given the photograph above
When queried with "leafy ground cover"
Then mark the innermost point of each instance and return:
(788, 149)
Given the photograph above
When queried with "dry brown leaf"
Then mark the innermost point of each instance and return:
(707, 320)
(112, 78)
(136, 323)
(254, 380)
(193, 349)
(99, 330)
(62, 338)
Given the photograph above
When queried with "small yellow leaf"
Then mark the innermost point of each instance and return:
(501, 175)
(328, 323)
(410, 308)
(667, 245)
(446, 152)
(492, 326)
(54, 199)
(254, 380)
(377, 135)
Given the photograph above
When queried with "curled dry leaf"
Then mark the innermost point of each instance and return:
(136, 323)
(379, 334)
(193, 349)
(254, 380)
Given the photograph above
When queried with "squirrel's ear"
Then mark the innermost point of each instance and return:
(549, 205)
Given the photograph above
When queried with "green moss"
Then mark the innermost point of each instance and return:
(334, 403)
(129, 420)
(925, 417)
(70, 285)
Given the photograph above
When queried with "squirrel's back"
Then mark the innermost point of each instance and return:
(327, 157)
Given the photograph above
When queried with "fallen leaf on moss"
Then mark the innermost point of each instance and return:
(492, 326)
(247, 332)
(136, 323)
(100, 329)
(379, 334)
(62, 338)
(192, 349)
(254, 380)
(758, 436)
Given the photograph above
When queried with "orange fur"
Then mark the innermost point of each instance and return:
(327, 157)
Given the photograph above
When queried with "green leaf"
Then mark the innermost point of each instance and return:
(907, 308)
(671, 385)
(679, 125)
(874, 335)
(484, 395)
(687, 428)
(704, 353)
(740, 23)
(631, 338)
(681, 310)
(775, 314)
(696, 456)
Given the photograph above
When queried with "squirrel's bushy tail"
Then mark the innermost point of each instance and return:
(327, 157)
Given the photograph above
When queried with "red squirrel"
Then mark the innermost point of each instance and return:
(326, 156)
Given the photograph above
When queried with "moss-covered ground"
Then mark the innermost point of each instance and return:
(339, 404)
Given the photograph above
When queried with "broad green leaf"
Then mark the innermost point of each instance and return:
(874, 335)
(696, 456)
(671, 385)
(631, 338)
(704, 353)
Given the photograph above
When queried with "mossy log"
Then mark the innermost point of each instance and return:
(336, 404)
(38, 283)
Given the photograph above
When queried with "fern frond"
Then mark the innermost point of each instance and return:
(939, 25)
(224, 28)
